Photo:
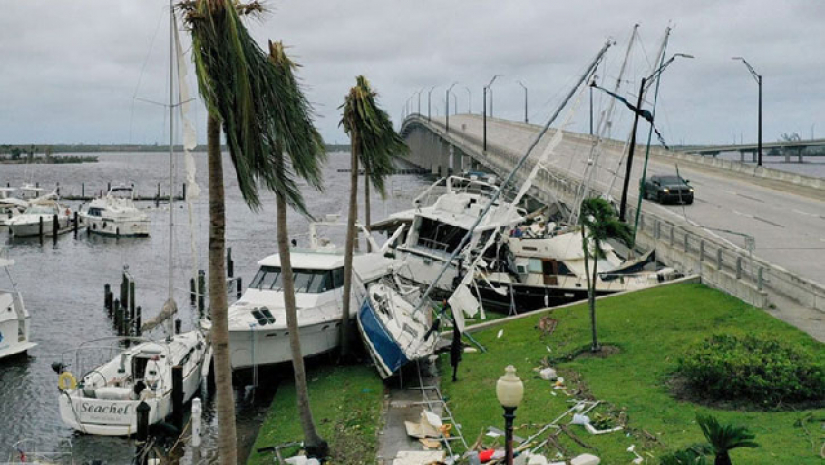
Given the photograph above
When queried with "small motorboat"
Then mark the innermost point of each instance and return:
(14, 318)
(41, 211)
(115, 214)
(10, 207)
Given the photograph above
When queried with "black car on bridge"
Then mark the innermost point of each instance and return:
(668, 189)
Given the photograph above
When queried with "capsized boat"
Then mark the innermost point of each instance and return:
(103, 399)
(45, 210)
(258, 333)
(394, 330)
(115, 214)
(14, 318)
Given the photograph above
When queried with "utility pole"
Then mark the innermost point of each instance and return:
(484, 106)
(447, 105)
(758, 78)
(629, 168)
(526, 121)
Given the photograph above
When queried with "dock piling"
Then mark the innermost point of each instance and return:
(55, 229)
(239, 290)
(193, 292)
(177, 396)
(75, 223)
(143, 411)
(201, 289)
(177, 326)
(230, 265)
(107, 298)
(40, 230)
(138, 321)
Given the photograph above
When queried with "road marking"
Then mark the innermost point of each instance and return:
(815, 215)
(742, 214)
(751, 198)
(768, 221)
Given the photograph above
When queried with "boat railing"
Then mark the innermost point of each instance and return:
(93, 353)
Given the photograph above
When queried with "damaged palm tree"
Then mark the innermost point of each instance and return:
(243, 95)
(598, 224)
(298, 139)
(374, 143)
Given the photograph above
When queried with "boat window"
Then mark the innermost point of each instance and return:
(41, 210)
(535, 266)
(338, 278)
(564, 270)
(256, 281)
(272, 279)
(95, 211)
(439, 236)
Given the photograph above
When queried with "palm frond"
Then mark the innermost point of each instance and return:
(599, 220)
(376, 141)
(256, 98)
(723, 438)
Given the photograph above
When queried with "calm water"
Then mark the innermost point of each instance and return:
(63, 285)
(811, 166)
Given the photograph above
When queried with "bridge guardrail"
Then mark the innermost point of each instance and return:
(720, 265)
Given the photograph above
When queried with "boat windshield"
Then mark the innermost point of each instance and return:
(306, 281)
(439, 236)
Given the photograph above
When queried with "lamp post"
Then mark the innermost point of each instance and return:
(484, 104)
(638, 112)
(525, 101)
(447, 105)
(470, 101)
(758, 78)
(419, 100)
(510, 391)
(593, 81)
(455, 104)
(429, 100)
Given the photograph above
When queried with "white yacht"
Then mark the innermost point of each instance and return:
(441, 218)
(14, 318)
(10, 207)
(258, 332)
(28, 223)
(115, 214)
(103, 399)
(31, 191)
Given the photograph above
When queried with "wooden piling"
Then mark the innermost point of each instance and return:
(177, 326)
(40, 230)
(107, 298)
(201, 291)
(83, 189)
(183, 192)
(117, 314)
(157, 197)
(193, 292)
(239, 288)
(75, 223)
(108, 187)
(132, 298)
(138, 321)
(143, 410)
(230, 265)
(177, 396)
(55, 228)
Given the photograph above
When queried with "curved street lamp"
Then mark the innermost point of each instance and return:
(525, 101)
(447, 105)
(758, 78)
(484, 104)
(429, 102)
(470, 101)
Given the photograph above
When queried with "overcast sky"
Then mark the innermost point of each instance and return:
(69, 70)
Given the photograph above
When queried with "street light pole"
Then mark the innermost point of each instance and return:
(419, 101)
(591, 105)
(525, 101)
(470, 101)
(509, 391)
(484, 111)
(758, 78)
(429, 99)
(486, 88)
(447, 105)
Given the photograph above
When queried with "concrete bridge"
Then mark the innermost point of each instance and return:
(754, 232)
(786, 148)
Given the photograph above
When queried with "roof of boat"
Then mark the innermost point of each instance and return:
(462, 209)
(309, 259)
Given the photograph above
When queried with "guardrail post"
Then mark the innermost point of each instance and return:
(642, 222)
(657, 226)
(759, 278)
(687, 246)
(719, 258)
(701, 250)
(672, 234)
(738, 267)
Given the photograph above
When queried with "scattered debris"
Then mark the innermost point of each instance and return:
(547, 325)
(548, 374)
(429, 426)
(410, 457)
(500, 332)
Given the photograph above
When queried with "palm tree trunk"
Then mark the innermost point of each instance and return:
(315, 446)
(722, 458)
(350, 244)
(367, 213)
(591, 303)
(227, 441)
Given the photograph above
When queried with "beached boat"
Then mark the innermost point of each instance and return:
(393, 329)
(14, 318)
(258, 332)
(115, 214)
(41, 211)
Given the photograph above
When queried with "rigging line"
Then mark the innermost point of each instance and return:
(511, 175)
(142, 70)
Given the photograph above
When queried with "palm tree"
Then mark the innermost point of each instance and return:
(375, 143)
(598, 223)
(242, 92)
(299, 138)
(693, 455)
(724, 438)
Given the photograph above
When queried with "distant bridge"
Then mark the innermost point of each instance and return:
(787, 148)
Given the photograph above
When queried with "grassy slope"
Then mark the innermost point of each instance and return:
(346, 403)
(651, 328)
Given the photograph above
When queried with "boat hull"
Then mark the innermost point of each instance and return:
(33, 229)
(116, 228)
(528, 298)
(269, 347)
(387, 355)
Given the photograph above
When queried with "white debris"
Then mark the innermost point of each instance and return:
(548, 374)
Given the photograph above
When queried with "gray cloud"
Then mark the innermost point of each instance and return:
(70, 69)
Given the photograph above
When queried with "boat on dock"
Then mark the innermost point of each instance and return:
(258, 333)
(14, 318)
(104, 399)
(10, 207)
(115, 214)
(41, 211)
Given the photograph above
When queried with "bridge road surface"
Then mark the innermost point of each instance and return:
(788, 228)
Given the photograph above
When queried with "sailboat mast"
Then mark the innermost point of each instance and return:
(171, 138)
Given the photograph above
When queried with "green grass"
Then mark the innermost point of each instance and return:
(651, 329)
(346, 404)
